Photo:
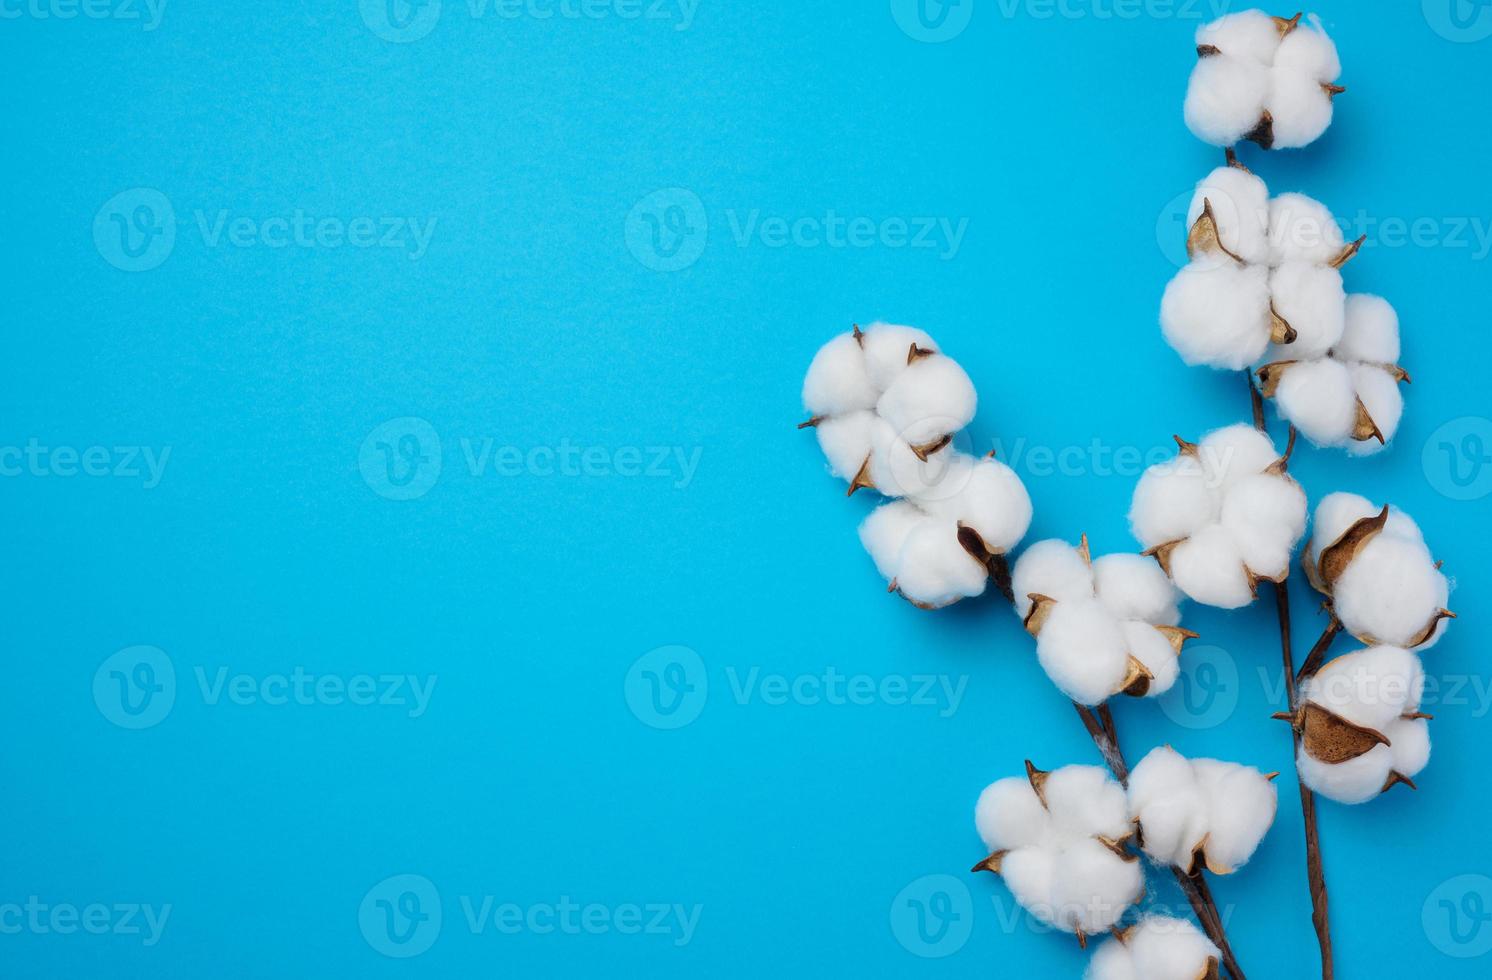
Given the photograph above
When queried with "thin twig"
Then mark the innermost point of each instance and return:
(1315, 872)
(1317, 656)
(1105, 735)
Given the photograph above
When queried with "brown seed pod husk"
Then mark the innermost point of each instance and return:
(928, 448)
(1270, 375)
(991, 863)
(1041, 610)
(1333, 739)
(1204, 237)
(1037, 778)
(1424, 635)
(862, 480)
(1346, 254)
(1280, 331)
(1286, 26)
(1162, 554)
(1336, 556)
(1137, 678)
(1211, 971)
(1263, 133)
(1365, 428)
(1394, 779)
(1177, 636)
(918, 353)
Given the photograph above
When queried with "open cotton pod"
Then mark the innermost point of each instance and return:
(1374, 565)
(1221, 517)
(1348, 398)
(885, 404)
(1262, 272)
(1103, 627)
(1058, 839)
(1200, 813)
(1156, 948)
(942, 545)
(1361, 730)
(1270, 80)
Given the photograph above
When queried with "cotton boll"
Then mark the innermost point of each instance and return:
(1235, 453)
(1308, 50)
(1267, 516)
(1241, 806)
(1209, 568)
(1319, 399)
(990, 499)
(1301, 108)
(1085, 802)
(1379, 393)
(935, 570)
(1133, 587)
(1390, 592)
(1240, 208)
(1311, 299)
(837, 379)
(1051, 568)
(885, 531)
(929, 399)
(1251, 35)
(1171, 502)
(847, 441)
(1170, 949)
(1083, 650)
(1092, 887)
(1372, 331)
(1352, 782)
(887, 347)
(1010, 815)
(1225, 98)
(1215, 312)
(1301, 229)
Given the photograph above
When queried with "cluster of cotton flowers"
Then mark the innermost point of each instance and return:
(1262, 78)
(1221, 517)
(1375, 567)
(1103, 627)
(1262, 270)
(1200, 813)
(885, 405)
(1156, 948)
(1361, 730)
(1349, 397)
(1058, 840)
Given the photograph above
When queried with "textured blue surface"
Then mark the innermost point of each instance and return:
(583, 297)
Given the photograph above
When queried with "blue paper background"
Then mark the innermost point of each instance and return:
(541, 315)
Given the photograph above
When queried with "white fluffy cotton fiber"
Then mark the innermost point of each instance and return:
(1264, 79)
(1102, 627)
(1155, 948)
(1057, 840)
(1384, 584)
(1221, 516)
(1200, 812)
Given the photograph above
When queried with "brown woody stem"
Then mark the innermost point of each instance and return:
(1105, 735)
(1315, 873)
(999, 569)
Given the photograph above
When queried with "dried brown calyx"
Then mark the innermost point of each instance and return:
(1137, 677)
(1328, 737)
